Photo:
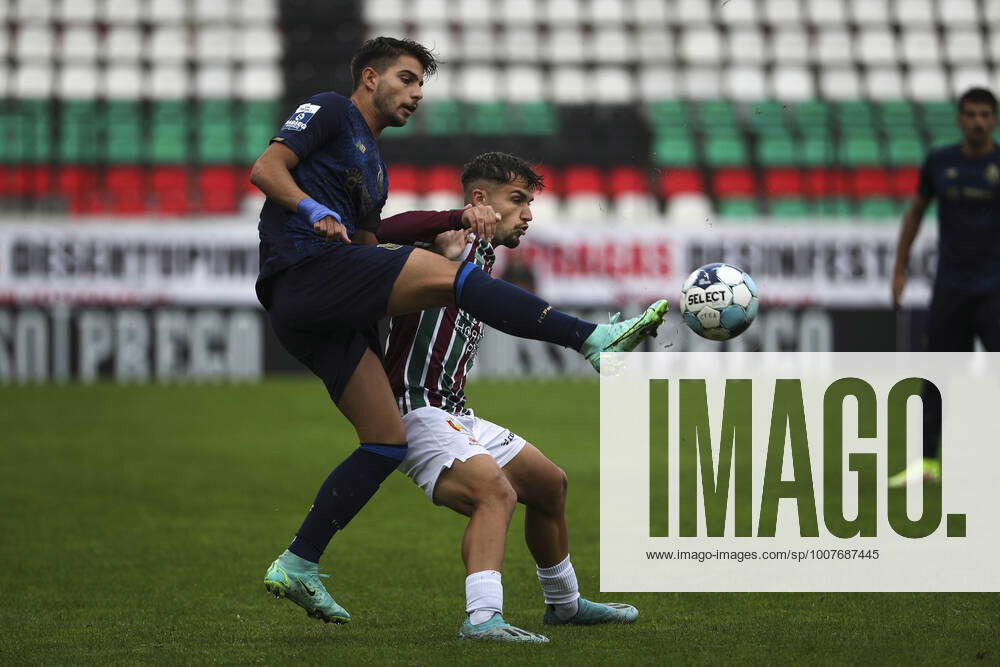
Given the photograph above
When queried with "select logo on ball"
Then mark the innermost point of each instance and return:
(719, 301)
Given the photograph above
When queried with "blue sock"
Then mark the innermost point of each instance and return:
(343, 494)
(515, 311)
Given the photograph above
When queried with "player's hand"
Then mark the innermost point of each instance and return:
(331, 229)
(480, 220)
(451, 244)
(898, 283)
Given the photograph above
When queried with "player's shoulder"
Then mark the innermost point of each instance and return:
(945, 153)
(329, 101)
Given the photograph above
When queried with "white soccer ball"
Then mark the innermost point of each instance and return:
(719, 301)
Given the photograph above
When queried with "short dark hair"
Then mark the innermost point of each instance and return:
(380, 52)
(501, 168)
(978, 96)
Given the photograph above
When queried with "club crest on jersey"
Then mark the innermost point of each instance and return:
(361, 146)
(952, 172)
(300, 119)
(992, 174)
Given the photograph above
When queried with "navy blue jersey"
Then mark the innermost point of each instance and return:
(339, 166)
(968, 193)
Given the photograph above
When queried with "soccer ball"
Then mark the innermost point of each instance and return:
(719, 301)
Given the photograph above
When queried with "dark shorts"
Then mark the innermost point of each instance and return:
(956, 319)
(325, 310)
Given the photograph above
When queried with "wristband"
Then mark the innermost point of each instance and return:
(314, 211)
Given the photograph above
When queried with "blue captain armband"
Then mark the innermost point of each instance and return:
(314, 211)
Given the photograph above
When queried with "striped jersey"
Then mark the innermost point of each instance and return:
(429, 354)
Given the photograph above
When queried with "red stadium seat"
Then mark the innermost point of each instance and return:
(628, 180)
(681, 181)
(443, 178)
(29, 182)
(550, 179)
(869, 182)
(79, 185)
(403, 178)
(904, 182)
(218, 190)
(729, 183)
(823, 183)
(170, 190)
(783, 183)
(581, 179)
(126, 190)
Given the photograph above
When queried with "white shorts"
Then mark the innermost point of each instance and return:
(437, 439)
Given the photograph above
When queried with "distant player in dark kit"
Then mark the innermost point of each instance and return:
(325, 284)
(965, 180)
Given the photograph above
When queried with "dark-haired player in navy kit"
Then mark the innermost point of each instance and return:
(965, 181)
(325, 284)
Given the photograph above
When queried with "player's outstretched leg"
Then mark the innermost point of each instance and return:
(298, 580)
(623, 336)
(541, 485)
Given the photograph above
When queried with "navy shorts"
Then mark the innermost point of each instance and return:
(325, 311)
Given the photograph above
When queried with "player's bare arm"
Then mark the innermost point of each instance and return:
(911, 225)
(272, 173)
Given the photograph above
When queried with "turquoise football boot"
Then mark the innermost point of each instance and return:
(498, 630)
(593, 613)
(623, 336)
(298, 580)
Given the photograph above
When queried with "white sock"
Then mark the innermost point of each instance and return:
(483, 596)
(560, 588)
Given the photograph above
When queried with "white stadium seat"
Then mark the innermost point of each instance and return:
(77, 81)
(570, 86)
(633, 207)
(867, 13)
(654, 45)
(32, 80)
(840, 83)
(964, 46)
(913, 12)
(169, 82)
(79, 43)
(834, 47)
(33, 11)
(261, 43)
(214, 81)
(168, 44)
(213, 11)
(520, 45)
(612, 45)
(441, 86)
(701, 46)
(260, 82)
(561, 13)
(35, 42)
(123, 82)
(782, 12)
(473, 12)
(649, 13)
(477, 44)
(123, 43)
(518, 12)
(746, 46)
(737, 13)
(657, 82)
(691, 12)
(994, 46)
(256, 11)
(122, 11)
(77, 11)
(476, 83)
(216, 43)
(377, 12)
(523, 84)
(958, 12)
(689, 210)
(827, 12)
(564, 45)
(991, 12)
(921, 47)
(167, 11)
(793, 83)
(746, 83)
(613, 85)
(963, 78)
(4, 79)
(605, 13)
(876, 46)
(440, 201)
(429, 12)
(790, 46)
(701, 83)
(884, 83)
(927, 83)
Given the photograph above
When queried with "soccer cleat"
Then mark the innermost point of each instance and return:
(298, 580)
(623, 336)
(929, 469)
(498, 630)
(593, 613)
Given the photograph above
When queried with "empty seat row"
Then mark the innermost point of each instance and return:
(136, 11)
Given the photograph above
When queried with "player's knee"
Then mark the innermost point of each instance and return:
(495, 491)
(552, 491)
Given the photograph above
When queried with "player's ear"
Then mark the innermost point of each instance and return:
(478, 197)
(369, 77)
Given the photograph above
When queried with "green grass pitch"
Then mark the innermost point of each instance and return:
(137, 523)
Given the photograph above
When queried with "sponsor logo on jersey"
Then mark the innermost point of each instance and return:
(390, 246)
(992, 174)
(361, 146)
(455, 426)
(300, 119)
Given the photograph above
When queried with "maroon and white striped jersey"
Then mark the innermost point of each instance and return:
(428, 354)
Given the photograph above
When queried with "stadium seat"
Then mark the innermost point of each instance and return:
(256, 11)
(868, 182)
(793, 208)
(672, 150)
(443, 191)
(783, 12)
(77, 81)
(475, 13)
(214, 132)
(126, 188)
(630, 197)
(570, 86)
(692, 12)
(876, 46)
(736, 13)
(122, 11)
(657, 83)
(884, 83)
(217, 189)
(78, 132)
(476, 44)
(675, 182)
(701, 46)
(478, 82)
(170, 190)
(793, 83)
(122, 123)
(76, 12)
(822, 12)
(261, 43)
(701, 83)
(654, 13)
(205, 12)
(611, 44)
(841, 83)
(79, 44)
(927, 83)
(215, 43)
(920, 46)
(167, 45)
(488, 118)
(783, 183)
(734, 183)
(746, 45)
(613, 85)
(959, 12)
(879, 208)
(913, 12)
(964, 46)
(789, 46)
(35, 43)
(584, 198)
(746, 83)
(167, 11)
(564, 46)
(739, 208)
(404, 191)
(777, 151)
(725, 151)
(535, 118)
(689, 210)
(866, 12)
(260, 82)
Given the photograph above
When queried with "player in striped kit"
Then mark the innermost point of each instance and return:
(428, 356)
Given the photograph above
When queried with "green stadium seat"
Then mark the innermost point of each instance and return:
(123, 132)
(488, 118)
(939, 113)
(854, 114)
(790, 208)
(905, 151)
(739, 207)
(673, 152)
(169, 132)
(777, 150)
(811, 117)
(767, 118)
(443, 118)
(670, 113)
(898, 113)
(817, 151)
(834, 207)
(78, 132)
(535, 118)
(7, 128)
(880, 208)
(261, 122)
(717, 113)
(860, 150)
(943, 135)
(215, 143)
(725, 151)
(30, 132)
